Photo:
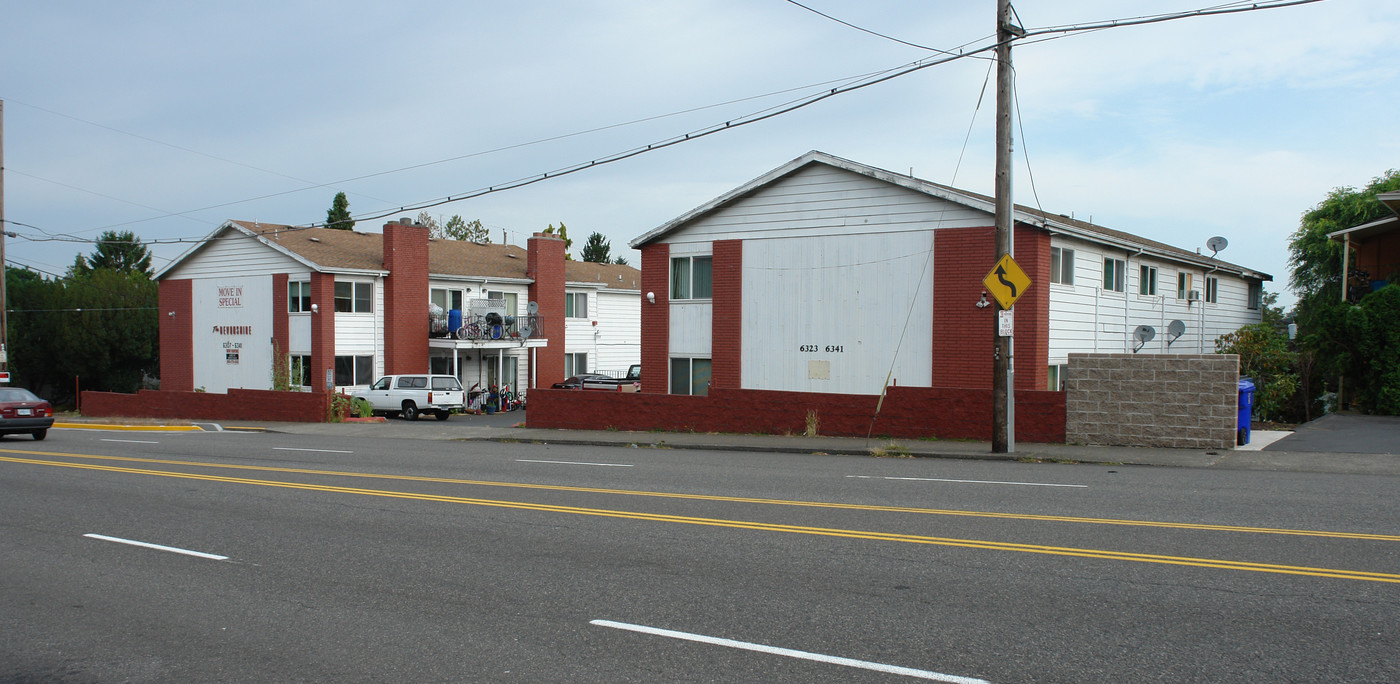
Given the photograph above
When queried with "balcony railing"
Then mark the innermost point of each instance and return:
(488, 328)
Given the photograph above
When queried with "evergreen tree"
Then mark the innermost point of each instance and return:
(338, 216)
(597, 249)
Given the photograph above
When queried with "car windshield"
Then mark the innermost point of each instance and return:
(16, 394)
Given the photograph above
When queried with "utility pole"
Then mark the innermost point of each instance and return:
(1003, 397)
(4, 227)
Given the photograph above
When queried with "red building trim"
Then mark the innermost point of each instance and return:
(726, 318)
(656, 318)
(281, 320)
(405, 299)
(176, 298)
(322, 329)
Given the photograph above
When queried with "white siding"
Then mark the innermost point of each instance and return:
(619, 338)
(690, 327)
(233, 253)
(821, 200)
(846, 297)
(232, 332)
(1086, 318)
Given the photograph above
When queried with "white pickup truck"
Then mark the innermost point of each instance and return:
(411, 395)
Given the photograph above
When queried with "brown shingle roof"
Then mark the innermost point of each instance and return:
(330, 248)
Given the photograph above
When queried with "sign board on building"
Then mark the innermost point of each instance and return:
(1006, 281)
(4, 376)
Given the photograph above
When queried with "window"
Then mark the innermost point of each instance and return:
(1056, 377)
(383, 384)
(1256, 294)
(353, 370)
(1147, 280)
(1061, 266)
(353, 297)
(446, 299)
(575, 364)
(1114, 273)
(299, 296)
(691, 277)
(1212, 288)
(576, 305)
(1183, 285)
(300, 366)
(690, 376)
(412, 382)
(510, 373)
(511, 299)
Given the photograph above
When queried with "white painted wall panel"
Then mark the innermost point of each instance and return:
(235, 254)
(690, 327)
(619, 338)
(821, 200)
(232, 332)
(847, 298)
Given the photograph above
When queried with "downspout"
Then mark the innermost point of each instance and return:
(1127, 301)
(1346, 278)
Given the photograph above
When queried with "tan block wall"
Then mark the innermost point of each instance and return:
(1183, 401)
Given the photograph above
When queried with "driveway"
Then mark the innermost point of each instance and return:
(1344, 433)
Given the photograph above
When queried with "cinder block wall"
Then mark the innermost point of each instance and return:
(1184, 401)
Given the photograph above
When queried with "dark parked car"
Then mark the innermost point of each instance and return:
(23, 413)
(582, 380)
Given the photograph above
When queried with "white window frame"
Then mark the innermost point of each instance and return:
(1183, 284)
(1147, 280)
(299, 296)
(689, 375)
(1055, 377)
(1062, 265)
(572, 360)
(360, 300)
(299, 370)
(571, 304)
(1115, 274)
(1256, 296)
(685, 286)
(1212, 289)
(361, 370)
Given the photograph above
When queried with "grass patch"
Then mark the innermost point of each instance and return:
(891, 450)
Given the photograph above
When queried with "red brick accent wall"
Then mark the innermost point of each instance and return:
(545, 267)
(1032, 353)
(281, 335)
(405, 299)
(656, 319)
(962, 333)
(726, 321)
(177, 334)
(322, 329)
(238, 404)
(913, 412)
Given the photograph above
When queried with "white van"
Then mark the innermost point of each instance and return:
(411, 395)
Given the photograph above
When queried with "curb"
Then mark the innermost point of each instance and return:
(135, 428)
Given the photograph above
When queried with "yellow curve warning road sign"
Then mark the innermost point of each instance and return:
(1007, 282)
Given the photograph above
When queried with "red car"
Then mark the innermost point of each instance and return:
(23, 413)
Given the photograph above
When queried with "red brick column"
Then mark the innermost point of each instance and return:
(281, 335)
(177, 335)
(726, 319)
(656, 319)
(1032, 352)
(406, 299)
(962, 333)
(322, 329)
(545, 267)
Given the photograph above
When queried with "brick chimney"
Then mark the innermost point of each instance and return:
(406, 298)
(545, 267)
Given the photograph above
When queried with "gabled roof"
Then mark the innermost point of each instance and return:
(1054, 223)
(348, 251)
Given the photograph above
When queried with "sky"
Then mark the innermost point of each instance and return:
(168, 118)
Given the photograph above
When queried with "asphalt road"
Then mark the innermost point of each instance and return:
(392, 560)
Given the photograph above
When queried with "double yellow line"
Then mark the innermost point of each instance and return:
(737, 524)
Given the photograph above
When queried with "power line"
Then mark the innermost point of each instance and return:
(866, 30)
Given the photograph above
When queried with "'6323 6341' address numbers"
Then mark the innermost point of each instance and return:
(830, 348)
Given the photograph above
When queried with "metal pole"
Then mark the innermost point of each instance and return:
(4, 227)
(1002, 398)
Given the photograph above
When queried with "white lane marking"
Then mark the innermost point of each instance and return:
(938, 479)
(324, 451)
(157, 547)
(603, 465)
(834, 660)
(129, 441)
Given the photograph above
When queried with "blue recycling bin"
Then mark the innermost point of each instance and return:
(1246, 409)
(454, 321)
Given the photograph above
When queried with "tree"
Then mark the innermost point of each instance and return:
(458, 228)
(597, 249)
(1267, 360)
(427, 221)
(1316, 260)
(338, 216)
(620, 260)
(563, 234)
(118, 251)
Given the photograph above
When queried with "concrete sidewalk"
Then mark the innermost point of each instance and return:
(502, 428)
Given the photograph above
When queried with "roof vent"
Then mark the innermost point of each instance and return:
(512, 255)
(314, 239)
(405, 221)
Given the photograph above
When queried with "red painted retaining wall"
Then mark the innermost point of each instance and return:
(238, 404)
(914, 412)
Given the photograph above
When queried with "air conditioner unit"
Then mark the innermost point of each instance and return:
(1193, 295)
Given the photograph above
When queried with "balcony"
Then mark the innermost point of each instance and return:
(491, 327)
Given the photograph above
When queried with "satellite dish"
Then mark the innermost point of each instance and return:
(1143, 334)
(1217, 244)
(533, 308)
(1175, 329)
(526, 331)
